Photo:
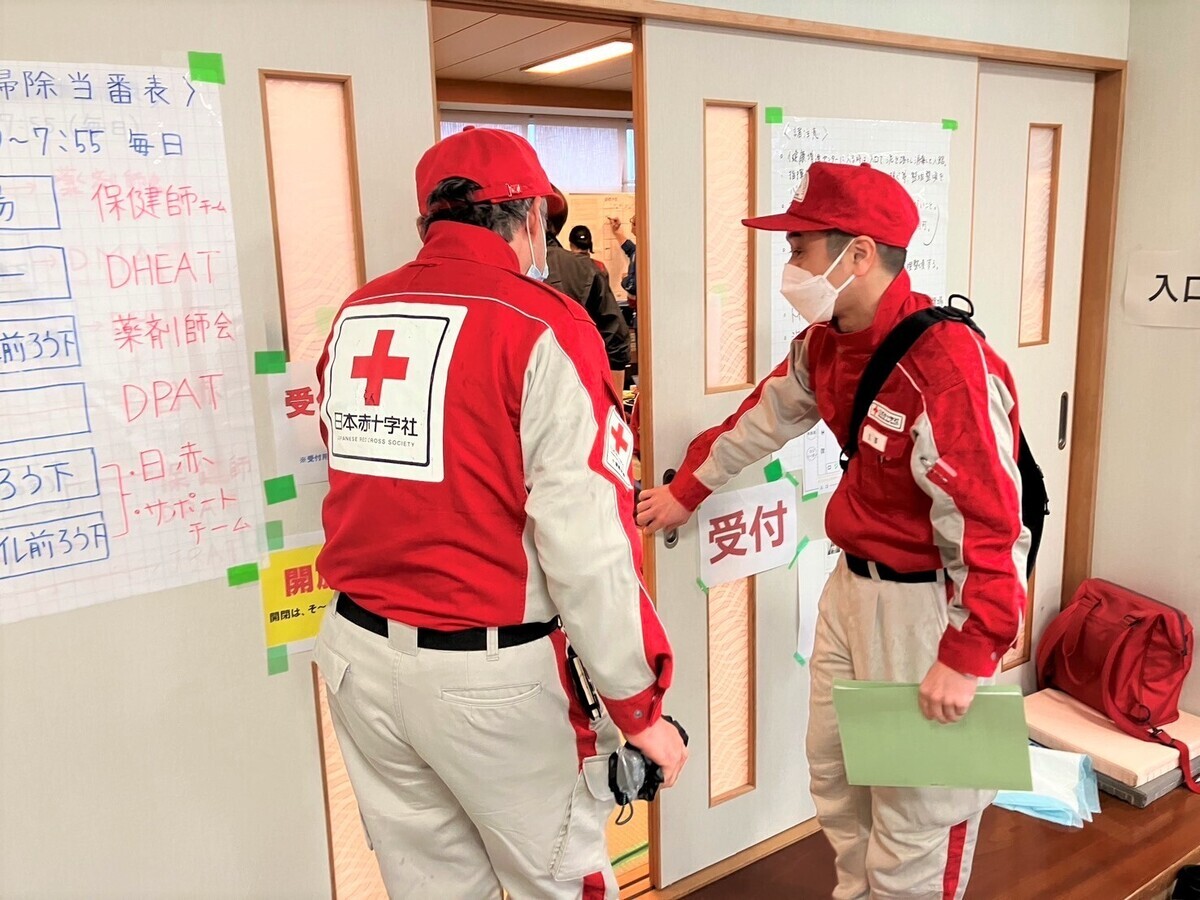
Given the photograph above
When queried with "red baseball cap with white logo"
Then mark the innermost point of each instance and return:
(858, 200)
(503, 164)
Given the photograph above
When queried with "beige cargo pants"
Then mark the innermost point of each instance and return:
(891, 843)
(474, 771)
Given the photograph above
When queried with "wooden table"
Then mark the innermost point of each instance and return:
(1125, 853)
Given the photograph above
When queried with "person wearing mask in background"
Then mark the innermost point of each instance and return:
(580, 280)
(479, 517)
(931, 583)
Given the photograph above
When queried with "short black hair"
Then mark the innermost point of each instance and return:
(581, 237)
(451, 201)
(893, 258)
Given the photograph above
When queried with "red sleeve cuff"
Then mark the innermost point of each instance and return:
(968, 654)
(689, 490)
(635, 714)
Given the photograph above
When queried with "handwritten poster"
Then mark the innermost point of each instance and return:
(594, 210)
(127, 447)
(746, 532)
(294, 595)
(917, 154)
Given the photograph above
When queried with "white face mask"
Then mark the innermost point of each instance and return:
(813, 296)
(536, 272)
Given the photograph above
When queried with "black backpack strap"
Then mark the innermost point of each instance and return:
(885, 358)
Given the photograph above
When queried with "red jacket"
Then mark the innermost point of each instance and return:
(935, 482)
(479, 464)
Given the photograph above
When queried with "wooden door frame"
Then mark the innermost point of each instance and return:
(1108, 124)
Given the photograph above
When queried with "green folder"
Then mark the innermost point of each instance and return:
(887, 742)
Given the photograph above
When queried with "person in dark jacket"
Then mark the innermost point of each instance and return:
(580, 280)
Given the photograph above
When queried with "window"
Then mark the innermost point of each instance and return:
(581, 155)
(1041, 203)
(729, 160)
(313, 173)
(731, 691)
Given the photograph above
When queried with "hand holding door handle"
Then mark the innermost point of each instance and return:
(658, 510)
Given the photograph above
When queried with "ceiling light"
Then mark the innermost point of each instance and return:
(581, 58)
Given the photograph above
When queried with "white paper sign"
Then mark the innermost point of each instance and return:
(813, 569)
(1162, 289)
(917, 154)
(128, 460)
(746, 532)
(299, 449)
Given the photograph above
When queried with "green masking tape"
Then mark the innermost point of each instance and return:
(280, 489)
(774, 470)
(277, 659)
(274, 535)
(774, 115)
(799, 549)
(950, 124)
(243, 574)
(208, 67)
(270, 362)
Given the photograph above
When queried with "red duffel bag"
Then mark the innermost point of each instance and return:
(1124, 655)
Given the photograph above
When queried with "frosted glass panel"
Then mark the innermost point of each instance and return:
(728, 245)
(1041, 186)
(449, 128)
(314, 190)
(588, 159)
(731, 689)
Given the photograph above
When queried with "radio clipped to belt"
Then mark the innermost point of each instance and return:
(631, 775)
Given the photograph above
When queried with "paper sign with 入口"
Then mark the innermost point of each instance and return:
(1162, 288)
(746, 532)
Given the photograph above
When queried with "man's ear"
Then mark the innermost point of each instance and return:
(863, 253)
(421, 229)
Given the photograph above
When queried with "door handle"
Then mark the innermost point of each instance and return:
(1063, 402)
(671, 535)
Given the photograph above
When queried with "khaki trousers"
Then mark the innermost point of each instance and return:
(891, 843)
(474, 771)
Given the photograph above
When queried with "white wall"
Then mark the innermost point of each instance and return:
(1093, 27)
(144, 752)
(1148, 515)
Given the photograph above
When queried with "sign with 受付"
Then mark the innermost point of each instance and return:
(128, 460)
(746, 532)
(299, 449)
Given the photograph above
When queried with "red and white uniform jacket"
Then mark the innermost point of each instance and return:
(935, 483)
(479, 464)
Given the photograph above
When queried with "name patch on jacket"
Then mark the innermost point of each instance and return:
(385, 389)
(888, 418)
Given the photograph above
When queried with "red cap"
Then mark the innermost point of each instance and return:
(503, 164)
(854, 199)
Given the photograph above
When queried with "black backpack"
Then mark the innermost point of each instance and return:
(1035, 503)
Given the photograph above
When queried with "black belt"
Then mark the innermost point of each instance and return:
(862, 568)
(431, 639)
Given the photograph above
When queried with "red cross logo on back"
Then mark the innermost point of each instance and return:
(379, 367)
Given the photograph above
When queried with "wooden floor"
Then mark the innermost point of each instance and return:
(1125, 853)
